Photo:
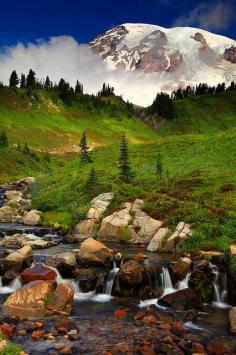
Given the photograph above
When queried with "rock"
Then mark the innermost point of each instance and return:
(32, 218)
(92, 251)
(176, 240)
(99, 205)
(20, 240)
(179, 270)
(62, 299)
(30, 300)
(233, 250)
(85, 228)
(13, 195)
(182, 300)
(20, 255)
(67, 257)
(232, 320)
(90, 278)
(3, 345)
(70, 239)
(113, 226)
(157, 241)
(146, 226)
(131, 273)
(9, 215)
(38, 272)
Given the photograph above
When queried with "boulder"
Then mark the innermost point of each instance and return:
(99, 205)
(232, 320)
(158, 240)
(145, 225)
(93, 252)
(90, 278)
(176, 240)
(38, 272)
(182, 300)
(113, 226)
(13, 195)
(9, 215)
(30, 300)
(20, 240)
(131, 273)
(62, 299)
(67, 257)
(20, 255)
(85, 228)
(32, 218)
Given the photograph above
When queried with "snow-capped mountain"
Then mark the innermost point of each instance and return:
(176, 56)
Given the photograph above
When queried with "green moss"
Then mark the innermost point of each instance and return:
(11, 349)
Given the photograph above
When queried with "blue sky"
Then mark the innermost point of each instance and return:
(28, 20)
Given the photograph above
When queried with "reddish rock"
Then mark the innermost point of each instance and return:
(37, 334)
(62, 299)
(38, 272)
(120, 313)
(198, 348)
(139, 315)
(182, 300)
(149, 320)
(7, 329)
(218, 349)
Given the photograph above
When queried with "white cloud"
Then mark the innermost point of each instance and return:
(64, 57)
(211, 16)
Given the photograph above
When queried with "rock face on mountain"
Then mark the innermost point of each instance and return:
(179, 56)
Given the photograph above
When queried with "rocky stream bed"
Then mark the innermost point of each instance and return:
(73, 294)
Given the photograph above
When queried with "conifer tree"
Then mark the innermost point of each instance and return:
(78, 87)
(14, 80)
(22, 81)
(92, 181)
(47, 84)
(31, 80)
(84, 150)
(124, 165)
(159, 166)
(3, 140)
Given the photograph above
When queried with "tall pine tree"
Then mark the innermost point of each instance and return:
(31, 80)
(84, 150)
(23, 81)
(124, 165)
(14, 80)
(92, 181)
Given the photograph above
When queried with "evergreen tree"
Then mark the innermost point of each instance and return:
(47, 84)
(14, 80)
(31, 80)
(163, 106)
(79, 87)
(92, 181)
(84, 150)
(159, 166)
(124, 165)
(22, 81)
(3, 140)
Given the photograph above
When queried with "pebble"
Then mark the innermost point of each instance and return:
(59, 346)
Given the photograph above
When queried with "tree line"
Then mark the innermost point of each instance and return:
(201, 89)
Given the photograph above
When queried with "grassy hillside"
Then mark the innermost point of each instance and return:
(203, 114)
(198, 183)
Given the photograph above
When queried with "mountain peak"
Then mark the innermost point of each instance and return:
(177, 56)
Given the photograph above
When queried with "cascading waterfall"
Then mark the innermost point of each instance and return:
(166, 281)
(111, 279)
(220, 289)
(12, 287)
(184, 283)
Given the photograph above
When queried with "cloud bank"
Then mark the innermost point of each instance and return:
(64, 57)
(217, 15)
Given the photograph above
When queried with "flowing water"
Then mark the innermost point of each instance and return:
(12, 287)
(220, 289)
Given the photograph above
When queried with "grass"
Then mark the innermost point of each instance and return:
(11, 349)
(198, 153)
